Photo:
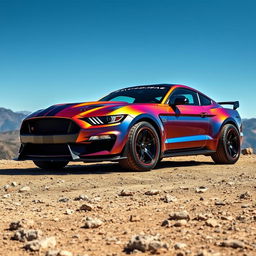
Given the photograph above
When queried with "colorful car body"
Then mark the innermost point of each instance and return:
(186, 121)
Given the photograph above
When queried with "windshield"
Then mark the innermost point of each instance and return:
(139, 94)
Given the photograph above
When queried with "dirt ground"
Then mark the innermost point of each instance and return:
(220, 218)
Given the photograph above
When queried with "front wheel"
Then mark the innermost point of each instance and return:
(228, 151)
(142, 148)
(50, 164)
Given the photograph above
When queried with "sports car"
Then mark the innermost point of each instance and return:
(136, 126)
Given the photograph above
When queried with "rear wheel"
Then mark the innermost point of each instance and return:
(142, 148)
(51, 164)
(228, 150)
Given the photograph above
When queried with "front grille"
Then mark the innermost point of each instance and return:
(58, 150)
(49, 126)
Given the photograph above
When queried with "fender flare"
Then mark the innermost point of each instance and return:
(153, 121)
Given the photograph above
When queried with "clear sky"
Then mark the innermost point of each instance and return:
(58, 51)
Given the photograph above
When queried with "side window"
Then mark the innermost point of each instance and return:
(190, 95)
(204, 100)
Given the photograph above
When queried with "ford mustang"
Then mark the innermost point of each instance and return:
(136, 126)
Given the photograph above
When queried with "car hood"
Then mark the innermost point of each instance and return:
(70, 110)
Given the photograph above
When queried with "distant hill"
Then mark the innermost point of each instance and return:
(9, 144)
(249, 130)
(26, 113)
(9, 120)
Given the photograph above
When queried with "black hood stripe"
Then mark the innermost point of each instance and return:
(57, 109)
(45, 111)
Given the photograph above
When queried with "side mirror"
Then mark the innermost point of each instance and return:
(180, 100)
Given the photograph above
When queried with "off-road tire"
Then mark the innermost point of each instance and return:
(134, 148)
(226, 152)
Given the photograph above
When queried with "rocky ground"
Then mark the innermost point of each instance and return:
(187, 206)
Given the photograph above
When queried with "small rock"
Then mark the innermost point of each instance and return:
(166, 223)
(180, 246)
(146, 243)
(212, 223)
(63, 200)
(247, 151)
(24, 189)
(201, 189)
(92, 223)
(134, 218)
(43, 244)
(201, 217)
(86, 207)
(37, 201)
(227, 218)
(206, 253)
(180, 223)
(69, 211)
(7, 196)
(14, 184)
(183, 215)
(96, 199)
(65, 253)
(233, 244)
(152, 192)
(241, 218)
(126, 193)
(220, 203)
(24, 223)
(52, 253)
(245, 195)
(24, 235)
(169, 199)
(6, 187)
(81, 198)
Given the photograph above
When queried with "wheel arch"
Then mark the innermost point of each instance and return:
(230, 121)
(154, 122)
(225, 122)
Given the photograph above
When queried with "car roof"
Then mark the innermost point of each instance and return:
(168, 85)
(163, 84)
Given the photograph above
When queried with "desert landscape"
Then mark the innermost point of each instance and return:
(133, 59)
(186, 206)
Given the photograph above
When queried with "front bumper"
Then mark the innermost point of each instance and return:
(69, 154)
(77, 146)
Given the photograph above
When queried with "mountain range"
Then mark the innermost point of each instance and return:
(9, 120)
(249, 131)
(10, 123)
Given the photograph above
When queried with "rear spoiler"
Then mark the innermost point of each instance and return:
(234, 103)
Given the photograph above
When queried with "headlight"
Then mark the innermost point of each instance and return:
(99, 120)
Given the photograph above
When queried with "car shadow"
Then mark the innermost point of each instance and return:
(175, 164)
(102, 168)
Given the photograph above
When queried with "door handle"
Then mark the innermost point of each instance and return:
(203, 114)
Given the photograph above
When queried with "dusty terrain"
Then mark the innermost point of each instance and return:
(217, 219)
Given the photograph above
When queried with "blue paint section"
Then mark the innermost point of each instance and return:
(166, 118)
(188, 139)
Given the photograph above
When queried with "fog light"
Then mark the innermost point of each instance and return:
(100, 137)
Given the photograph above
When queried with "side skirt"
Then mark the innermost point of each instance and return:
(187, 152)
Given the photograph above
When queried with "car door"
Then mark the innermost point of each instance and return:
(186, 126)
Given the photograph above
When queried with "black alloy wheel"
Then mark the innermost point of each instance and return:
(142, 148)
(232, 143)
(146, 148)
(228, 150)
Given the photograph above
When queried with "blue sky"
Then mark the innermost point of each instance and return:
(70, 51)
